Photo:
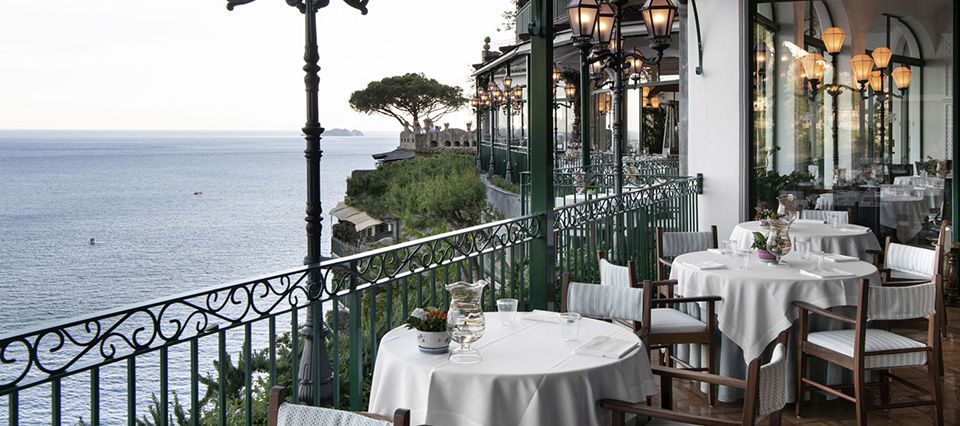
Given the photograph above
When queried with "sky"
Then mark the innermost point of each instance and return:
(193, 65)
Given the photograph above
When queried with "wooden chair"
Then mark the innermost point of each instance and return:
(901, 265)
(658, 328)
(861, 348)
(280, 413)
(765, 393)
(673, 244)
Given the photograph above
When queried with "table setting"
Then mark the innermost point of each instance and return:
(845, 239)
(509, 367)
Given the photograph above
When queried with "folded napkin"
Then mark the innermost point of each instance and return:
(825, 274)
(715, 251)
(852, 228)
(706, 265)
(839, 258)
(542, 316)
(606, 347)
(821, 222)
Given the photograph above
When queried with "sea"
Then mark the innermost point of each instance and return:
(168, 212)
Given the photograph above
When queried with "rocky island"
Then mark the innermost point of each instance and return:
(342, 132)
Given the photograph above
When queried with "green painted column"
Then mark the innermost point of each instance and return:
(585, 109)
(542, 249)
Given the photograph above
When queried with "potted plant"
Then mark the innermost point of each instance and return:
(765, 215)
(431, 325)
(760, 243)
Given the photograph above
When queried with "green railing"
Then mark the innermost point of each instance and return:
(221, 348)
(518, 153)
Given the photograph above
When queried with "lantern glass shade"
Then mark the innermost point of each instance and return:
(812, 66)
(517, 92)
(556, 75)
(658, 16)
(881, 57)
(570, 91)
(655, 101)
(833, 39)
(644, 101)
(761, 55)
(605, 21)
(861, 66)
(876, 81)
(595, 68)
(646, 91)
(507, 82)
(475, 102)
(901, 77)
(583, 17)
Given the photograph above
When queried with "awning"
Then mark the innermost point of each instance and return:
(360, 219)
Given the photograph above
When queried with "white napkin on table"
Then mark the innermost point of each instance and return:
(839, 258)
(825, 274)
(706, 265)
(852, 228)
(715, 251)
(542, 316)
(821, 222)
(606, 347)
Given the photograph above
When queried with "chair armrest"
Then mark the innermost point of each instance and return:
(877, 256)
(642, 409)
(699, 376)
(903, 283)
(665, 261)
(804, 306)
(708, 299)
(663, 283)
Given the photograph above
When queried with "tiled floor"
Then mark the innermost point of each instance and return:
(688, 398)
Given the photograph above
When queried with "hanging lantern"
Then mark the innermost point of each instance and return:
(881, 57)
(583, 17)
(507, 82)
(901, 77)
(556, 75)
(518, 92)
(813, 66)
(658, 17)
(876, 81)
(861, 66)
(570, 91)
(605, 23)
(833, 39)
(644, 101)
(655, 101)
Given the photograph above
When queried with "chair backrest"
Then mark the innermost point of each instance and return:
(617, 275)
(772, 383)
(610, 302)
(825, 215)
(901, 303)
(304, 415)
(916, 260)
(673, 244)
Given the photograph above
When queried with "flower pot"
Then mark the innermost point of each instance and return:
(765, 256)
(433, 342)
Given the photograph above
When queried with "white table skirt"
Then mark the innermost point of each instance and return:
(931, 181)
(528, 376)
(906, 214)
(848, 240)
(758, 304)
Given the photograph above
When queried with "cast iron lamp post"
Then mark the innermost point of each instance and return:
(569, 92)
(609, 52)
(314, 366)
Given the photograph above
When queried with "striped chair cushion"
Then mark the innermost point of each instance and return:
(611, 274)
(773, 382)
(912, 260)
(841, 341)
(900, 303)
(669, 321)
(825, 215)
(605, 301)
(303, 415)
(677, 243)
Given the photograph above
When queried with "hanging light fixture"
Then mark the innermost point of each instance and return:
(861, 66)
(556, 75)
(570, 91)
(605, 23)
(901, 77)
(658, 17)
(518, 92)
(507, 82)
(583, 17)
(881, 57)
(596, 68)
(644, 101)
(475, 102)
(876, 81)
(813, 69)
(655, 101)
(833, 39)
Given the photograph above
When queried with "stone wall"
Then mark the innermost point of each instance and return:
(434, 139)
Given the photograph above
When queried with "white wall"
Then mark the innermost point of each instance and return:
(716, 126)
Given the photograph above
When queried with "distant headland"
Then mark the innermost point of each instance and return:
(342, 132)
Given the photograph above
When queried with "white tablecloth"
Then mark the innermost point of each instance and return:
(906, 214)
(758, 301)
(931, 181)
(848, 240)
(528, 376)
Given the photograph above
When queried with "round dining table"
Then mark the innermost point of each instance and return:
(845, 239)
(528, 376)
(757, 301)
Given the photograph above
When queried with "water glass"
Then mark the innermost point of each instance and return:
(833, 221)
(569, 326)
(731, 246)
(507, 309)
(743, 257)
(803, 249)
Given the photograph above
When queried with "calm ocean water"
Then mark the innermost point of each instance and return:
(134, 193)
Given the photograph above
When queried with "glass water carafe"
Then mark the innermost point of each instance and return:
(787, 210)
(778, 240)
(465, 319)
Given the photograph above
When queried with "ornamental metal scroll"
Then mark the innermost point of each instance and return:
(572, 216)
(34, 356)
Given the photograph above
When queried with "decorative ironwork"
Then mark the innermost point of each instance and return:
(574, 215)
